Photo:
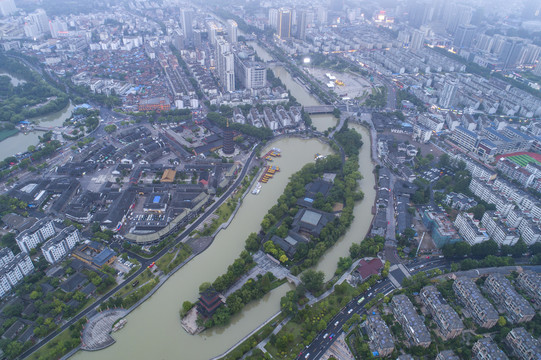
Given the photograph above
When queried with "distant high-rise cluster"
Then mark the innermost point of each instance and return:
(7, 7)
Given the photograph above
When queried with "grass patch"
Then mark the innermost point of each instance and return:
(165, 259)
(181, 252)
(142, 278)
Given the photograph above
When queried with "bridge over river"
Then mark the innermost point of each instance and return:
(319, 109)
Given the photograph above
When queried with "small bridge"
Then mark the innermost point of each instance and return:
(43, 128)
(319, 109)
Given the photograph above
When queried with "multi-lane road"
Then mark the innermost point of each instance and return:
(326, 338)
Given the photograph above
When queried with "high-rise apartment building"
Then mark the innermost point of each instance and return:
(456, 15)
(417, 40)
(186, 16)
(232, 31)
(39, 17)
(57, 28)
(448, 93)
(301, 25)
(284, 23)
(464, 36)
(225, 64)
(273, 18)
(510, 53)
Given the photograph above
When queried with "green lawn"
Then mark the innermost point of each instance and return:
(165, 259)
(142, 278)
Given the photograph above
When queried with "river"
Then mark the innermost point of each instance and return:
(362, 210)
(20, 142)
(321, 121)
(153, 330)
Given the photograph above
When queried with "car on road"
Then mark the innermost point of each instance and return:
(332, 335)
(336, 323)
(369, 294)
(350, 311)
(325, 336)
(306, 356)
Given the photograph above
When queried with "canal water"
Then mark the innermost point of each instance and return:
(321, 121)
(20, 142)
(154, 331)
(362, 210)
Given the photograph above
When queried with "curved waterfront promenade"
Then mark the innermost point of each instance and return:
(97, 331)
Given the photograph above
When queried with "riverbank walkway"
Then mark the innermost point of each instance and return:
(97, 332)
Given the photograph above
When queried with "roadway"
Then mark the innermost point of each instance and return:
(322, 343)
(144, 262)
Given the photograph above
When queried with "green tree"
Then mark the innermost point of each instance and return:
(484, 249)
(110, 128)
(204, 286)
(186, 306)
(313, 280)
(252, 243)
(444, 160)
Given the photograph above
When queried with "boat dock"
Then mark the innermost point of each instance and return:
(269, 171)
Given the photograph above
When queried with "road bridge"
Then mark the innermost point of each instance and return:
(319, 109)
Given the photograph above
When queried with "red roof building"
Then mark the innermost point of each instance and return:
(368, 268)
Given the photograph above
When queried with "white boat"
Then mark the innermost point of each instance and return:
(276, 149)
(257, 189)
(119, 325)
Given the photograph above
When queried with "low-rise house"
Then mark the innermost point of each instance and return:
(367, 269)
(448, 321)
(290, 243)
(516, 308)
(310, 222)
(411, 322)
(447, 355)
(381, 342)
(524, 345)
(531, 283)
(480, 308)
(486, 349)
